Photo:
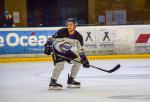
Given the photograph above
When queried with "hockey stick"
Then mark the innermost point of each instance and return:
(108, 71)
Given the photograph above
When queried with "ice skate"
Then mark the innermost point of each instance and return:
(54, 85)
(71, 83)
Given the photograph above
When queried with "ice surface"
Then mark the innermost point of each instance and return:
(28, 82)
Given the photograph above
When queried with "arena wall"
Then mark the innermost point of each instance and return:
(98, 40)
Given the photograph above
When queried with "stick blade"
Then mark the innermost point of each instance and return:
(115, 68)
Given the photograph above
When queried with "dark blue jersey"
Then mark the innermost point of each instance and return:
(63, 33)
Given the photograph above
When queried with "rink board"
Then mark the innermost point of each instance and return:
(98, 40)
(103, 57)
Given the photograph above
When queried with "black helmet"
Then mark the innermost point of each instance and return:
(71, 20)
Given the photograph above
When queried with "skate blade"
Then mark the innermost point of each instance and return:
(55, 88)
(73, 86)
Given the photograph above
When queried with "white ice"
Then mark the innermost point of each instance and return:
(28, 82)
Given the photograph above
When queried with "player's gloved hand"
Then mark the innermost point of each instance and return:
(84, 60)
(85, 63)
(48, 49)
(48, 46)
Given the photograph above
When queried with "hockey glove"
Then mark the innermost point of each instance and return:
(48, 46)
(84, 60)
(48, 49)
(85, 63)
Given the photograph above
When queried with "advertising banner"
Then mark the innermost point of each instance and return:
(98, 40)
(142, 40)
(23, 42)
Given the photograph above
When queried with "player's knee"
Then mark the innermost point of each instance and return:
(59, 66)
(76, 64)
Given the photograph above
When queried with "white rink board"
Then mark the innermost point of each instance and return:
(122, 39)
(109, 40)
(125, 39)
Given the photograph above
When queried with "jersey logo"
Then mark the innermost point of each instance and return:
(65, 46)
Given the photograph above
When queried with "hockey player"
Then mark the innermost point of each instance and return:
(65, 49)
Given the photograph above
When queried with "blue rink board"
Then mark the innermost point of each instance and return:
(17, 42)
